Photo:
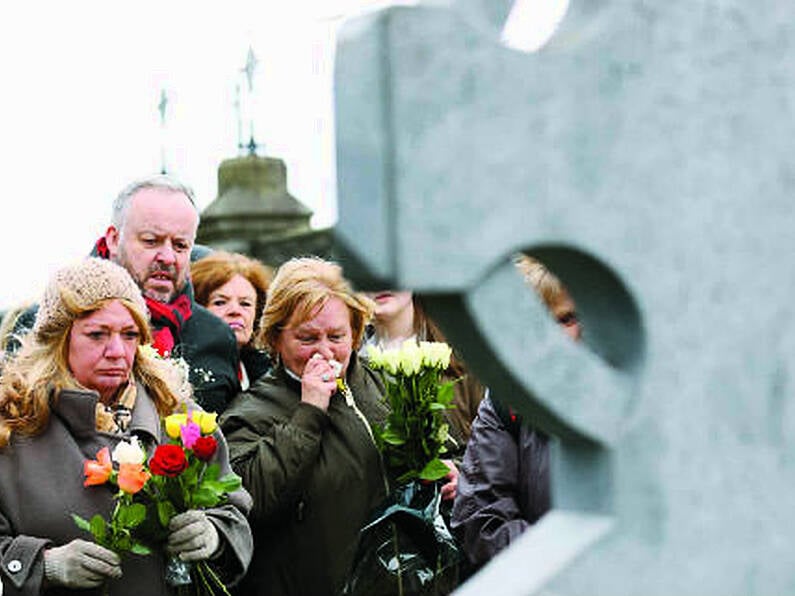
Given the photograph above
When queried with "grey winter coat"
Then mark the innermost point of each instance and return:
(503, 487)
(41, 485)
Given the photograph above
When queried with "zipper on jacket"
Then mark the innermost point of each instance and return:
(348, 395)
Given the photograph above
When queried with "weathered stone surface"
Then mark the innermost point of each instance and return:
(645, 154)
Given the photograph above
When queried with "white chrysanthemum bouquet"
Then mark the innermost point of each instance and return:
(415, 432)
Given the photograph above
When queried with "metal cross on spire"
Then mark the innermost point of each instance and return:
(238, 116)
(249, 68)
(250, 103)
(162, 106)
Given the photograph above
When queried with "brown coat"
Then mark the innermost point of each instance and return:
(41, 485)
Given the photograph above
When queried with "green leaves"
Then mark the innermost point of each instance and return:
(116, 534)
(130, 516)
(140, 549)
(165, 511)
(434, 470)
(393, 437)
(81, 523)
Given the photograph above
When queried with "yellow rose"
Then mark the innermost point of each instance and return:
(207, 421)
(173, 424)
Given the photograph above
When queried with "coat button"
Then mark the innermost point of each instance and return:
(15, 566)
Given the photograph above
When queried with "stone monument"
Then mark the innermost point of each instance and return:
(645, 155)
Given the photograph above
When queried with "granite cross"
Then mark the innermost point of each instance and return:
(645, 155)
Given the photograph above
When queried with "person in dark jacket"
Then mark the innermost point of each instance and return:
(233, 287)
(152, 230)
(300, 436)
(503, 488)
(82, 382)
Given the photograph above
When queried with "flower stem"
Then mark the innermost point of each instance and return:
(397, 560)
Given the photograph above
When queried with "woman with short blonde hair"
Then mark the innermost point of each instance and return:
(303, 285)
(301, 438)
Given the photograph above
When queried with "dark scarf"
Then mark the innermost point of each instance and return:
(167, 319)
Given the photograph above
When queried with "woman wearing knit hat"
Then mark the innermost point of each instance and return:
(81, 382)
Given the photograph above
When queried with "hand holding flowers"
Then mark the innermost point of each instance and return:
(130, 477)
(179, 481)
(411, 440)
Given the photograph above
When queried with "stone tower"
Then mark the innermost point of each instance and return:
(254, 214)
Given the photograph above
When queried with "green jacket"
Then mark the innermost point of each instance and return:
(314, 476)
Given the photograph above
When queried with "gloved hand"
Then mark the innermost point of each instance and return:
(192, 536)
(80, 564)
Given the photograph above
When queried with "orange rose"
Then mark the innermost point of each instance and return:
(132, 477)
(99, 470)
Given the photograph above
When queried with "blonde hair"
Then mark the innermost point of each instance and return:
(300, 288)
(213, 271)
(9, 322)
(542, 280)
(40, 371)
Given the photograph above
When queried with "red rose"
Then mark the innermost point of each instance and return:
(168, 460)
(205, 447)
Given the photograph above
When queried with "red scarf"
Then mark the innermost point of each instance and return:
(167, 320)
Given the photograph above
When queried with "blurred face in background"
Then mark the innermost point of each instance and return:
(566, 316)
(235, 302)
(390, 304)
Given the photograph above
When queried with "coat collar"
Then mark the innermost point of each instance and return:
(77, 409)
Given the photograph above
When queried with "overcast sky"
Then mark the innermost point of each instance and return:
(81, 83)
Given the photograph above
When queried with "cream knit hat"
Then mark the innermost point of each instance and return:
(83, 284)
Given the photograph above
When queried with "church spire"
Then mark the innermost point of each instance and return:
(162, 105)
(248, 103)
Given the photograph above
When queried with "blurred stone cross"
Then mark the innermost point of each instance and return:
(645, 155)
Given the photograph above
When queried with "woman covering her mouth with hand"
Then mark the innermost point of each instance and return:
(300, 436)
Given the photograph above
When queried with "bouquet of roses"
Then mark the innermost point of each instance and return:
(183, 478)
(415, 432)
(179, 476)
(406, 547)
